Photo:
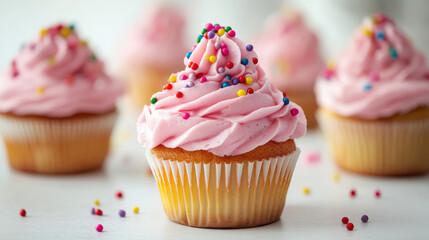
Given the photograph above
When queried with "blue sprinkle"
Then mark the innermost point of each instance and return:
(286, 101)
(235, 81)
(367, 87)
(244, 61)
(393, 53)
(200, 36)
(225, 84)
(379, 35)
(188, 55)
(228, 76)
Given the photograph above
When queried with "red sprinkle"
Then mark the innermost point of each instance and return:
(294, 111)
(194, 66)
(98, 212)
(353, 193)
(345, 220)
(249, 90)
(242, 79)
(255, 60)
(190, 64)
(284, 94)
(350, 226)
(205, 35)
(167, 86)
(377, 193)
(179, 94)
(70, 80)
(229, 65)
(22, 212)
(199, 75)
(119, 194)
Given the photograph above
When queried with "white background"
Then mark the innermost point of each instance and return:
(58, 206)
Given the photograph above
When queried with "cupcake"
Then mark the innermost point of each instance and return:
(220, 137)
(57, 105)
(375, 103)
(289, 53)
(151, 51)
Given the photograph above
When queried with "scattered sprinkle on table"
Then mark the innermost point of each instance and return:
(93, 211)
(22, 212)
(336, 177)
(353, 193)
(345, 220)
(364, 218)
(136, 210)
(305, 190)
(97, 203)
(122, 213)
(350, 226)
(119, 194)
(98, 212)
(99, 228)
(377, 193)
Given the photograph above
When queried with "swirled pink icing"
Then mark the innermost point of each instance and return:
(57, 76)
(156, 39)
(289, 52)
(379, 75)
(211, 106)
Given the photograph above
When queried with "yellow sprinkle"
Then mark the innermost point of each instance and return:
(97, 203)
(241, 93)
(220, 32)
(367, 32)
(305, 191)
(207, 57)
(83, 43)
(136, 210)
(43, 32)
(173, 78)
(331, 65)
(40, 91)
(249, 81)
(212, 58)
(65, 31)
(51, 60)
(336, 177)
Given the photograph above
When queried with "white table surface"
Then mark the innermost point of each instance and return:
(58, 207)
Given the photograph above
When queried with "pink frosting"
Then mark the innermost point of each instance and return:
(289, 52)
(57, 76)
(209, 117)
(379, 75)
(156, 39)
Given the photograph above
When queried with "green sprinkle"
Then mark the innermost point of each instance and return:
(228, 28)
(204, 31)
(153, 100)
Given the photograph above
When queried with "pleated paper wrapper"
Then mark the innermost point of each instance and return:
(385, 148)
(223, 195)
(56, 146)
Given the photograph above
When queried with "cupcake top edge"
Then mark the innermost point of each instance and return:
(57, 75)
(289, 51)
(221, 102)
(380, 74)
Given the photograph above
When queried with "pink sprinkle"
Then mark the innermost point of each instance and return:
(312, 157)
(209, 26)
(186, 116)
(203, 79)
(193, 48)
(99, 228)
(377, 193)
(294, 111)
(217, 27)
(15, 74)
(183, 77)
(373, 76)
(231, 33)
(223, 45)
(328, 73)
(71, 44)
(225, 51)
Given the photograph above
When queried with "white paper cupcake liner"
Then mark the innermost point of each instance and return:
(224, 195)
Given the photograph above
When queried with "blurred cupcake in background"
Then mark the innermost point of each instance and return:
(151, 51)
(289, 54)
(57, 105)
(375, 103)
